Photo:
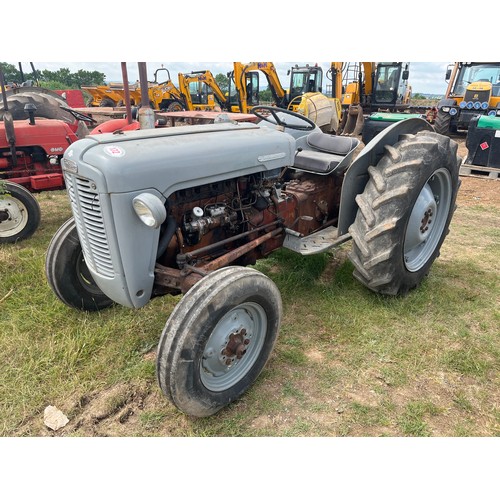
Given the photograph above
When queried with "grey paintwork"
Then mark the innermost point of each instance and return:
(162, 161)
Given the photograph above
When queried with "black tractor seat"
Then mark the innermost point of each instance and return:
(326, 153)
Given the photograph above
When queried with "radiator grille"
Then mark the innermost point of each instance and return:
(477, 95)
(87, 211)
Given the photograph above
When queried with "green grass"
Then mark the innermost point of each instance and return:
(347, 362)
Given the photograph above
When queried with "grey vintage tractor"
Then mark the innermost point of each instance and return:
(188, 210)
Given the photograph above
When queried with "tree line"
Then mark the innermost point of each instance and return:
(63, 78)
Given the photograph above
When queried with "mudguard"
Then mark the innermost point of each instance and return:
(356, 176)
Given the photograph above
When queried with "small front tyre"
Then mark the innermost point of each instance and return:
(218, 339)
(68, 274)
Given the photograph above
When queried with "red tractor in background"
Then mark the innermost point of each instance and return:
(36, 128)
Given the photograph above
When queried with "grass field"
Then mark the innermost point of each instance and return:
(347, 363)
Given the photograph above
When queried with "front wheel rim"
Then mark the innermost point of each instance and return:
(233, 347)
(427, 220)
(16, 217)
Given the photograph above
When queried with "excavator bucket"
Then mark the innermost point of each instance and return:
(352, 121)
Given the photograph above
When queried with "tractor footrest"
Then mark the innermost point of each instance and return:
(314, 243)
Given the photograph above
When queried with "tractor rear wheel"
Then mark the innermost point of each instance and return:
(68, 274)
(47, 106)
(218, 339)
(19, 213)
(405, 212)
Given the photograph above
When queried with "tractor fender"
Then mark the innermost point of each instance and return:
(446, 102)
(357, 175)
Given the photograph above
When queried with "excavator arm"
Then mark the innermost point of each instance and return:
(240, 72)
(200, 77)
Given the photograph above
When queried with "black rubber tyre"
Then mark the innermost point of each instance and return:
(67, 273)
(19, 213)
(47, 106)
(218, 339)
(175, 106)
(442, 123)
(405, 212)
(107, 103)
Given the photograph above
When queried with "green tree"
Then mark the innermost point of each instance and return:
(265, 94)
(10, 72)
(222, 81)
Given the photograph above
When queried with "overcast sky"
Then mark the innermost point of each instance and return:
(425, 77)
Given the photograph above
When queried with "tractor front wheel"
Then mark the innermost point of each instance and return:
(442, 123)
(68, 274)
(218, 339)
(19, 213)
(405, 212)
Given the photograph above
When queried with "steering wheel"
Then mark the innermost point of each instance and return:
(78, 115)
(274, 111)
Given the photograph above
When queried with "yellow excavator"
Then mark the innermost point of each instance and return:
(369, 87)
(200, 91)
(304, 95)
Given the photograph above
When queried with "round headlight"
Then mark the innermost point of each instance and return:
(484, 105)
(453, 111)
(470, 105)
(492, 113)
(463, 104)
(477, 105)
(149, 209)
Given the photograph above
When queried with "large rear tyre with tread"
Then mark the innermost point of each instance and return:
(68, 274)
(405, 212)
(47, 106)
(20, 213)
(218, 339)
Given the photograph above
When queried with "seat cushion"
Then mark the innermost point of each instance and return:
(316, 161)
(336, 144)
